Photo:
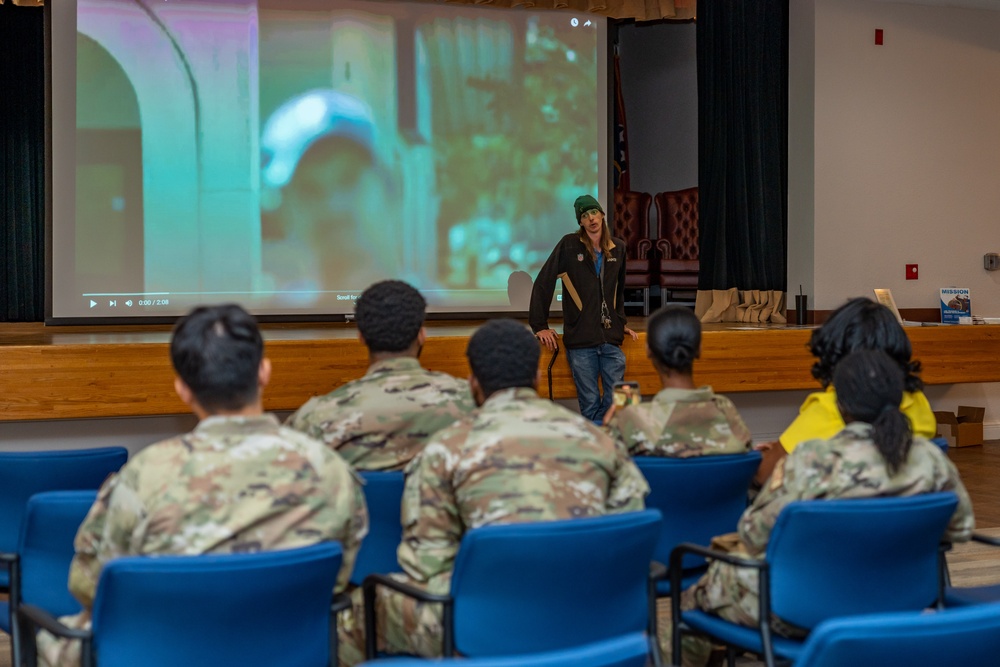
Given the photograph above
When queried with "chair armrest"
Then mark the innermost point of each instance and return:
(7, 558)
(677, 574)
(663, 246)
(986, 539)
(39, 618)
(31, 618)
(677, 555)
(373, 580)
(341, 602)
(643, 248)
(369, 586)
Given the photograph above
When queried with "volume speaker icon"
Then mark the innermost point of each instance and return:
(129, 303)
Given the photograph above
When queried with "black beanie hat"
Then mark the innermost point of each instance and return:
(585, 203)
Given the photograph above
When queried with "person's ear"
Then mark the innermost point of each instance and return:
(422, 336)
(264, 373)
(538, 379)
(183, 391)
(477, 390)
(362, 338)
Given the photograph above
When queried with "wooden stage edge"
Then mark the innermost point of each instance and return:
(124, 371)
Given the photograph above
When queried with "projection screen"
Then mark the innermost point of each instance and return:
(284, 154)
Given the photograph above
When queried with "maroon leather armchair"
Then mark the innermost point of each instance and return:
(631, 223)
(677, 243)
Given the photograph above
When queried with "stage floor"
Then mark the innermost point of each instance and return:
(124, 371)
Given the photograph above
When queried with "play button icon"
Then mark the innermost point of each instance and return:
(92, 303)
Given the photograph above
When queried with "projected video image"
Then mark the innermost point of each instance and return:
(285, 155)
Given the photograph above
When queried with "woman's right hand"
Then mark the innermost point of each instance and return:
(548, 338)
(771, 453)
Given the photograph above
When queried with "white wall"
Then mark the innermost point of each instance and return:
(894, 158)
(905, 149)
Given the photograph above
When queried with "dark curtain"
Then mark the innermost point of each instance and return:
(22, 164)
(742, 143)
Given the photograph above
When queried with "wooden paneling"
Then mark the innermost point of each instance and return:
(73, 372)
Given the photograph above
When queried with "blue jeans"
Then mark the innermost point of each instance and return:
(606, 361)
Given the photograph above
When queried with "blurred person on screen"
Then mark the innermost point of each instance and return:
(326, 198)
(273, 488)
(488, 469)
(591, 265)
(382, 420)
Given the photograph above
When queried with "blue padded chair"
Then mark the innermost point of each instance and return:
(942, 443)
(383, 495)
(267, 608)
(628, 651)
(699, 498)
(23, 474)
(40, 572)
(532, 587)
(832, 558)
(907, 639)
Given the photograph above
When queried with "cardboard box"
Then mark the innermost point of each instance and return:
(965, 428)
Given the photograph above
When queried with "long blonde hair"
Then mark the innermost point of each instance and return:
(606, 243)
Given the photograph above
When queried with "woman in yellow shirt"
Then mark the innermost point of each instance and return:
(860, 324)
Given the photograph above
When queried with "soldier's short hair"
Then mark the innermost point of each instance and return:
(673, 334)
(862, 324)
(503, 354)
(216, 351)
(390, 314)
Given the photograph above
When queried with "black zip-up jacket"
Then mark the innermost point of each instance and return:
(581, 293)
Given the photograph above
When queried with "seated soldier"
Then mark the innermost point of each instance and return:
(381, 421)
(874, 455)
(859, 324)
(273, 488)
(517, 458)
(682, 420)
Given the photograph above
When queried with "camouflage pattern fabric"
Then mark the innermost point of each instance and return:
(234, 484)
(846, 466)
(381, 421)
(519, 458)
(681, 423)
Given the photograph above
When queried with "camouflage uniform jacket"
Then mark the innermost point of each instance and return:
(519, 458)
(234, 484)
(381, 421)
(682, 423)
(849, 466)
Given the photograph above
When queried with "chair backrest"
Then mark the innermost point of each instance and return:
(51, 521)
(383, 495)
(628, 651)
(23, 474)
(699, 497)
(544, 586)
(677, 214)
(831, 558)
(631, 219)
(969, 636)
(269, 608)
